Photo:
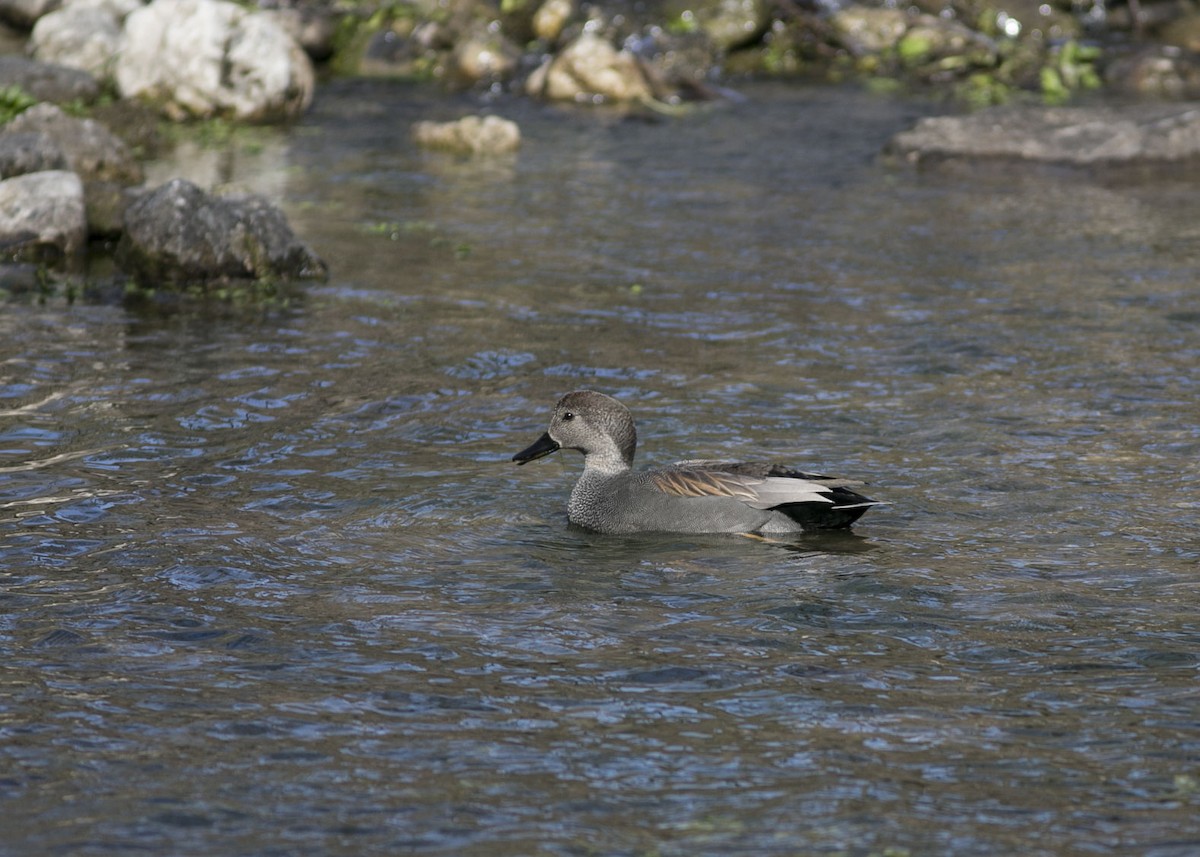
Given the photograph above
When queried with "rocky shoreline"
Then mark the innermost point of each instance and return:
(67, 179)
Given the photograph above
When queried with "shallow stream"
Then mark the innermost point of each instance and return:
(269, 583)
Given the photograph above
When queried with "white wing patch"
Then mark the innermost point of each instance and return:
(775, 491)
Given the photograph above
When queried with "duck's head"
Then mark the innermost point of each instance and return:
(595, 424)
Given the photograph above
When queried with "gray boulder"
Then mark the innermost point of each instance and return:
(200, 58)
(1084, 136)
(29, 152)
(42, 217)
(90, 149)
(179, 234)
(49, 81)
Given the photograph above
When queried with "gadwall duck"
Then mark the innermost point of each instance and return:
(697, 496)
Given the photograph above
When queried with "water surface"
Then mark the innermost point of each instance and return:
(269, 583)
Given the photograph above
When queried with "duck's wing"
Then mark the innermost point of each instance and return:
(761, 485)
(764, 470)
(814, 502)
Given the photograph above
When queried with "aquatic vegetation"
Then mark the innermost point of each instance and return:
(1071, 68)
(13, 101)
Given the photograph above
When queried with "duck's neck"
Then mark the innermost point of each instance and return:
(606, 461)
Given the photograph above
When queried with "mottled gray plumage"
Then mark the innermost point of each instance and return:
(700, 496)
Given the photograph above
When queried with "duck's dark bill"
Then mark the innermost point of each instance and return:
(541, 447)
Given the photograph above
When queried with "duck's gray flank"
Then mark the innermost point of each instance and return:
(696, 496)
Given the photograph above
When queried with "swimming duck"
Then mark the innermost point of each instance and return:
(698, 496)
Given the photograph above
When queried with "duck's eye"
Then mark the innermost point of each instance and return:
(567, 415)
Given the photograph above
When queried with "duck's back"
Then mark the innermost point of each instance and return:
(714, 497)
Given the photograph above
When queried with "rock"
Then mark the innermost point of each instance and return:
(388, 53)
(312, 29)
(729, 24)
(1028, 19)
(42, 217)
(136, 123)
(90, 149)
(483, 56)
(865, 31)
(25, 13)
(590, 69)
(1067, 135)
(106, 203)
(551, 18)
(471, 135)
(29, 152)
(180, 234)
(44, 137)
(210, 57)
(20, 279)
(675, 65)
(930, 39)
(1156, 71)
(1183, 32)
(119, 9)
(85, 35)
(49, 82)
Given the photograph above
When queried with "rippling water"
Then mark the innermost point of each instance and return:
(270, 584)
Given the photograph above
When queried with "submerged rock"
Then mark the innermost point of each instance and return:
(210, 57)
(471, 135)
(179, 234)
(1067, 135)
(42, 217)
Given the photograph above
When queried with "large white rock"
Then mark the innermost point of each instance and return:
(44, 209)
(85, 34)
(209, 57)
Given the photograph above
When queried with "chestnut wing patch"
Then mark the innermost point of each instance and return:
(704, 483)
